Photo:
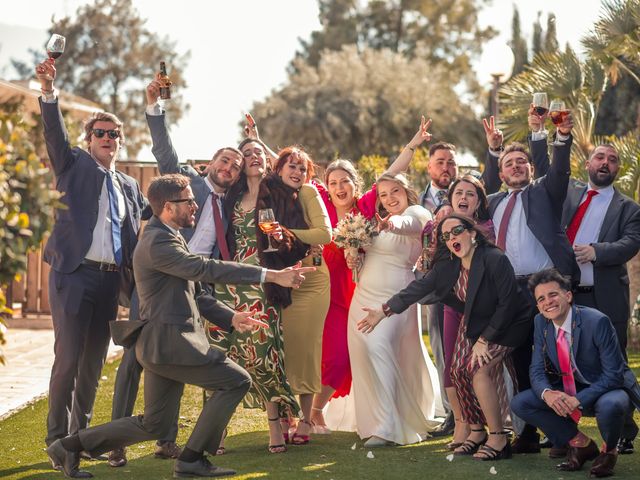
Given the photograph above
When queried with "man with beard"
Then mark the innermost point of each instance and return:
(208, 238)
(527, 226)
(171, 343)
(604, 228)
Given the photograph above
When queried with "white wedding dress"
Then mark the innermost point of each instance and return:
(395, 393)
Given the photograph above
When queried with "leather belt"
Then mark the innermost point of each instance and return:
(584, 289)
(104, 267)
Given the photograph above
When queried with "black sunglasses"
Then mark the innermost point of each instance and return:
(190, 201)
(457, 230)
(99, 133)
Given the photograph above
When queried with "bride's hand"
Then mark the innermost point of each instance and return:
(384, 223)
(368, 323)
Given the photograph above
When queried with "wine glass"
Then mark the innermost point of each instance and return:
(55, 46)
(267, 223)
(541, 107)
(557, 112)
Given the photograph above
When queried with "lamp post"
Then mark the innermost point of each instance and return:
(497, 57)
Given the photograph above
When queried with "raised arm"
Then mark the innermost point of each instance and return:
(401, 164)
(319, 231)
(490, 176)
(251, 131)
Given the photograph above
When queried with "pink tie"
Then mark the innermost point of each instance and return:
(568, 382)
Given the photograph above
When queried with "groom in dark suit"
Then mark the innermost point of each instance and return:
(91, 244)
(172, 346)
(577, 369)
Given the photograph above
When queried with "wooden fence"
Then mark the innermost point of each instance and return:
(32, 291)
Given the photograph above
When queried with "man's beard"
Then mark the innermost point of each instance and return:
(604, 180)
(519, 183)
(216, 180)
(443, 182)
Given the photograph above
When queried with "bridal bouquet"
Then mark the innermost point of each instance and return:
(353, 232)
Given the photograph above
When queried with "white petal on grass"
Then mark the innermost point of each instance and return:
(450, 457)
(493, 470)
(353, 447)
(370, 454)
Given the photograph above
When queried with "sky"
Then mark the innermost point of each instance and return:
(240, 49)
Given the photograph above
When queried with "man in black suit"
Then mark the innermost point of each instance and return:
(527, 225)
(210, 238)
(91, 244)
(603, 226)
(172, 345)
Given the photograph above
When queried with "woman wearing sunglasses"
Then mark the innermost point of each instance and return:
(475, 277)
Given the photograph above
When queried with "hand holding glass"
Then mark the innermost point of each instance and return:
(55, 46)
(267, 223)
(541, 106)
(558, 113)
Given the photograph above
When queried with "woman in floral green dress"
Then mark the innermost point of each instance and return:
(260, 352)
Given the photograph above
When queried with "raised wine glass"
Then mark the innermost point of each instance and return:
(541, 107)
(55, 46)
(267, 223)
(557, 112)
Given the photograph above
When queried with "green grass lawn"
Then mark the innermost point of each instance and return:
(327, 457)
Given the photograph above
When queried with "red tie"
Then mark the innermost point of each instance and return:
(217, 220)
(504, 223)
(572, 230)
(568, 382)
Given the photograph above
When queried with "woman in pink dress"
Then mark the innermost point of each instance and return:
(342, 195)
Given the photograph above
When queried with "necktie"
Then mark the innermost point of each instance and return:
(440, 195)
(572, 230)
(504, 223)
(116, 238)
(568, 382)
(217, 220)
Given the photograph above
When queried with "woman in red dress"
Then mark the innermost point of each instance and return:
(343, 195)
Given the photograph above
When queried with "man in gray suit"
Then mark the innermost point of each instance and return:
(208, 238)
(90, 247)
(172, 346)
(603, 226)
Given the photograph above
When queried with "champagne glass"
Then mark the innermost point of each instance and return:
(267, 223)
(557, 112)
(55, 46)
(541, 107)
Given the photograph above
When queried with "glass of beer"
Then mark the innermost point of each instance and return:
(267, 223)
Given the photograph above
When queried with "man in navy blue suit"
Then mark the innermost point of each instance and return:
(90, 247)
(577, 369)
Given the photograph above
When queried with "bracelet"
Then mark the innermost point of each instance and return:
(386, 309)
(411, 148)
(497, 149)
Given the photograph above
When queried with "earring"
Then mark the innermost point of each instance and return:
(450, 254)
(473, 241)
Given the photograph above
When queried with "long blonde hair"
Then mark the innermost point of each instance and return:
(399, 179)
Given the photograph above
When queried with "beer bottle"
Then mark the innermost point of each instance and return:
(165, 89)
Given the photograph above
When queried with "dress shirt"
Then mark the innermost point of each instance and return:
(523, 249)
(589, 230)
(101, 249)
(433, 193)
(204, 237)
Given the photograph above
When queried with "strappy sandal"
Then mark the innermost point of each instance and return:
(490, 454)
(222, 450)
(317, 428)
(298, 438)
(285, 424)
(453, 445)
(281, 448)
(469, 447)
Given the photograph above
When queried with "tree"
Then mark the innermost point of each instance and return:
(550, 37)
(518, 44)
(360, 103)
(536, 40)
(110, 55)
(443, 32)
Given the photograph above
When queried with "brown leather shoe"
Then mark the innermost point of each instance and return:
(558, 452)
(167, 450)
(603, 465)
(576, 456)
(118, 457)
(526, 445)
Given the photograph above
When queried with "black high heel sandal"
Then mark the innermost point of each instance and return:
(469, 447)
(282, 448)
(490, 454)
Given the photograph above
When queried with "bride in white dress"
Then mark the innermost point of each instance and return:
(395, 393)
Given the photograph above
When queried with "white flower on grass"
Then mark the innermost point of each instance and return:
(493, 470)
(450, 457)
(370, 454)
(353, 447)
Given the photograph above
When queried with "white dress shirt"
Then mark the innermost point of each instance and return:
(523, 249)
(204, 237)
(589, 230)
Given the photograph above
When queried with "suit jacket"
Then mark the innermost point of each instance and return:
(80, 177)
(596, 353)
(542, 201)
(495, 307)
(618, 242)
(166, 273)
(168, 162)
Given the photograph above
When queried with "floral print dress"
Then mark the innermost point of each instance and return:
(261, 351)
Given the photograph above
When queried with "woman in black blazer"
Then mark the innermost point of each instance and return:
(476, 278)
